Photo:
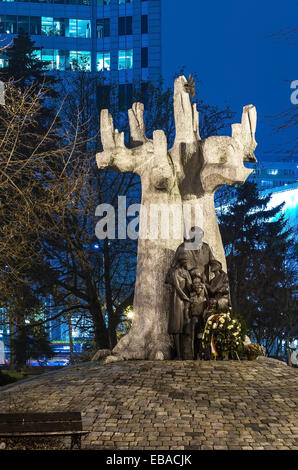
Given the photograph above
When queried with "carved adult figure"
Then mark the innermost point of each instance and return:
(187, 175)
(179, 313)
(218, 287)
(199, 253)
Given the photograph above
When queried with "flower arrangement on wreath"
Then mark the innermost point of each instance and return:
(223, 334)
(253, 350)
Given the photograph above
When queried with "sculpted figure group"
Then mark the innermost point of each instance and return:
(199, 287)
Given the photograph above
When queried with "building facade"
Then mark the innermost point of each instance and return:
(120, 39)
(275, 173)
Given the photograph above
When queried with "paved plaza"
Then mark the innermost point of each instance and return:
(171, 405)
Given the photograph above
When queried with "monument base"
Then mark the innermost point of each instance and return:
(170, 405)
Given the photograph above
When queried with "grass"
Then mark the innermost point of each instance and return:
(11, 376)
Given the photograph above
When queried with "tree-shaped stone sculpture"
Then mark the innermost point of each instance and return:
(186, 175)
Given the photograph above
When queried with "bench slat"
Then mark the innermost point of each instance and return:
(40, 427)
(31, 434)
(71, 416)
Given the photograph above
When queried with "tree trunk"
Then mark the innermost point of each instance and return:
(21, 354)
(11, 338)
(289, 352)
(70, 338)
(100, 329)
(109, 298)
(148, 338)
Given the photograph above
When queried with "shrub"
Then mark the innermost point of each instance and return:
(253, 350)
(6, 379)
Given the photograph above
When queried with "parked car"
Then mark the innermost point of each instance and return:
(58, 362)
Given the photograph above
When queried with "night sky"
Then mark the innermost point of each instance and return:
(228, 44)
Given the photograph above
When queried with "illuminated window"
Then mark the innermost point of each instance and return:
(3, 61)
(103, 61)
(65, 60)
(72, 28)
(53, 26)
(59, 26)
(80, 60)
(84, 29)
(272, 172)
(46, 25)
(47, 55)
(125, 59)
(57, 59)
(78, 28)
(37, 54)
(61, 61)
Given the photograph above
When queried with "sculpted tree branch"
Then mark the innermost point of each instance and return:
(186, 175)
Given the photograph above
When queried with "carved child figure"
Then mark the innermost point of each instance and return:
(181, 281)
(198, 298)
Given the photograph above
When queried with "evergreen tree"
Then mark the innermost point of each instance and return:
(25, 70)
(257, 243)
(31, 343)
(29, 338)
(24, 66)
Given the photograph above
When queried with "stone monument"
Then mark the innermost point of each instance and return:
(186, 175)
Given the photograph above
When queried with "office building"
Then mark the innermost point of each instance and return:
(118, 39)
(275, 173)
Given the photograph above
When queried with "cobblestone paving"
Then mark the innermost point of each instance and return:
(171, 405)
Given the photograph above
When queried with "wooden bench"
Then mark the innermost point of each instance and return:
(13, 425)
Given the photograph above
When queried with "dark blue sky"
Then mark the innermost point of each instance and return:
(227, 43)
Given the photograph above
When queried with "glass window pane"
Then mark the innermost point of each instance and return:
(35, 25)
(103, 61)
(37, 54)
(47, 55)
(125, 25)
(60, 59)
(125, 96)
(84, 28)
(11, 24)
(3, 61)
(103, 93)
(144, 57)
(144, 24)
(23, 24)
(80, 60)
(72, 30)
(84, 60)
(47, 27)
(125, 59)
(59, 26)
(103, 27)
(2, 24)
